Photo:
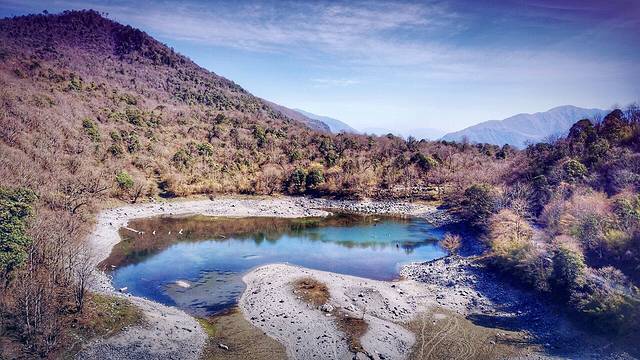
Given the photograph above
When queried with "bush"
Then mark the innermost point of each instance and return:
(574, 170)
(297, 181)
(315, 178)
(181, 159)
(479, 203)
(451, 242)
(426, 163)
(568, 267)
(16, 208)
(91, 129)
(606, 304)
(205, 149)
(124, 180)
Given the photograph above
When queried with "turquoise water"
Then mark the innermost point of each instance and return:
(199, 269)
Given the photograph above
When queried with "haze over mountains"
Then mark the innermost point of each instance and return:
(518, 130)
(335, 125)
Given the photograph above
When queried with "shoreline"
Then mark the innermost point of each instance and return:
(454, 284)
(177, 332)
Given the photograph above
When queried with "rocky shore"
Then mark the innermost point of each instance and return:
(477, 308)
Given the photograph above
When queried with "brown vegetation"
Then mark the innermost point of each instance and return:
(311, 291)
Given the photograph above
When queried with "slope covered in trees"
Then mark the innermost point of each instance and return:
(566, 222)
(92, 110)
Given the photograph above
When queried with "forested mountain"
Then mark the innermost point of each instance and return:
(522, 129)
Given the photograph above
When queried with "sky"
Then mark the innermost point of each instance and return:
(400, 65)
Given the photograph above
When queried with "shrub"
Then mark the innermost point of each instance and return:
(604, 301)
(315, 178)
(568, 267)
(116, 150)
(479, 204)
(451, 242)
(16, 208)
(425, 162)
(91, 129)
(297, 181)
(181, 159)
(509, 235)
(574, 170)
(205, 149)
(124, 180)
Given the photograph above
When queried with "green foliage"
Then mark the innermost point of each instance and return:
(133, 142)
(260, 134)
(16, 207)
(568, 268)
(205, 149)
(608, 308)
(295, 155)
(297, 181)
(124, 180)
(181, 159)
(75, 84)
(479, 203)
(425, 162)
(116, 150)
(574, 170)
(91, 129)
(315, 177)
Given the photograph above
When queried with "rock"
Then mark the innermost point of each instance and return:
(326, 308)
(223, 346)
(361, 356)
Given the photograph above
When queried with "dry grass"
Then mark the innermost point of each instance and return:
(244, 340)
(443, 334)
(316, 293)
(355, 328)
(103, 316)
(311, 291)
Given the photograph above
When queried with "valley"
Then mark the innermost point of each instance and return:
(153, 209)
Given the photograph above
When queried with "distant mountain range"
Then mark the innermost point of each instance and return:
(418, 133)
(335, 125)
(518, 130)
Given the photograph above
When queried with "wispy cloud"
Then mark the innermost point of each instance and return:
(335, 82)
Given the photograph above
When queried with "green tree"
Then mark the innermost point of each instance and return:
(16, 207)
(574, 170)
(568, 268)
(479, 203)
(297, 181)
(315, 178)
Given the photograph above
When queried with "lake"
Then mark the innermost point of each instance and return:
(196, 263)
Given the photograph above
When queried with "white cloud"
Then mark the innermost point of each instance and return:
(335, 82)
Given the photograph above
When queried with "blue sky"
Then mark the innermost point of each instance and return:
(396, 64)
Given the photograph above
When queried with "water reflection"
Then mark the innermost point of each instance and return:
(197, 262)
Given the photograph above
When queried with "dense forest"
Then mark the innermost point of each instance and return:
(93, 112)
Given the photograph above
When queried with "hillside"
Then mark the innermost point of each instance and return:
(521, 129)
(336, 126)
(95, 112)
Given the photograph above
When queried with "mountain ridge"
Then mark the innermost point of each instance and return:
(523, 128)
(335, 125)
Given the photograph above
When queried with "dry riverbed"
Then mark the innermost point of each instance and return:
(449, 308)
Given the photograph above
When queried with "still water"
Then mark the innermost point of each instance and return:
(197, 263)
